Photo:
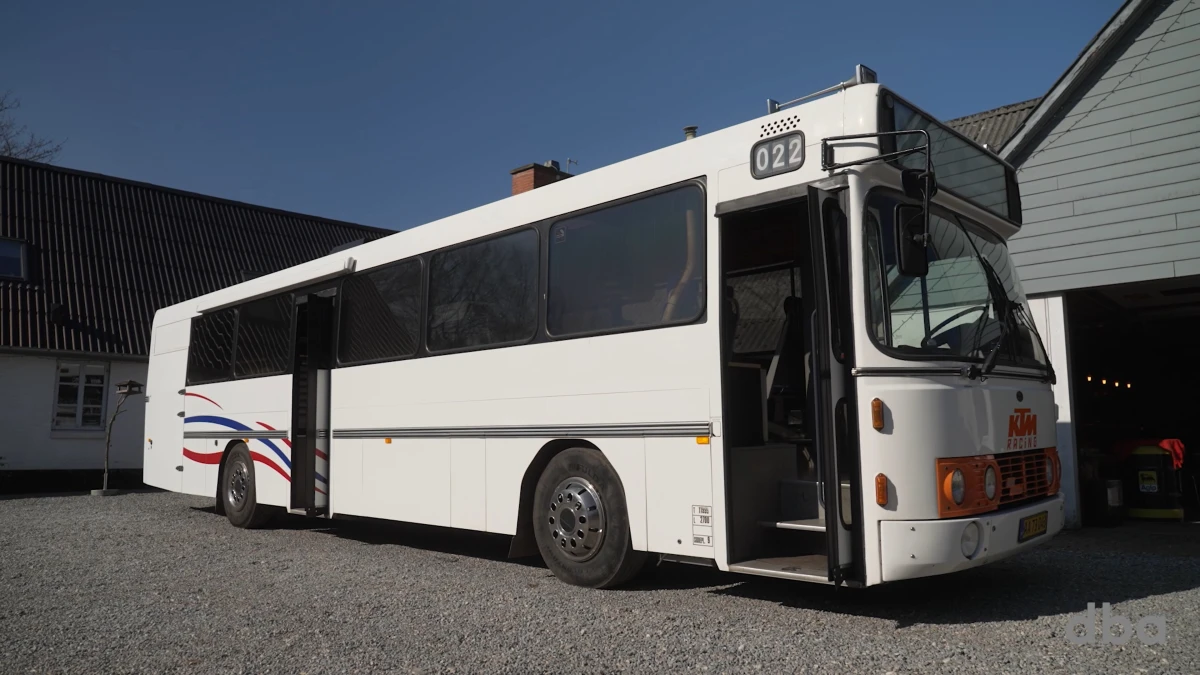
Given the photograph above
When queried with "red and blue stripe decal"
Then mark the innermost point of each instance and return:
(228, 423)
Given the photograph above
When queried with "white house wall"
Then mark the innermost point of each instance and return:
(27, 398)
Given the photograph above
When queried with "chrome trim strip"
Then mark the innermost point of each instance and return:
(581, 430)
(234, 433)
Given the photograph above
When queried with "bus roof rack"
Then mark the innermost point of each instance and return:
(862, 75)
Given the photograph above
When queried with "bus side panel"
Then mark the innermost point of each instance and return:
(164, 444)
(507, 460)
(468, 483)
(679, 509)
(249, 407)
(406, 479)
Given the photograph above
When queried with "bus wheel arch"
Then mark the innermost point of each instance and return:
(220, 510)
(245, 511)
(523, 543)
(580, 519)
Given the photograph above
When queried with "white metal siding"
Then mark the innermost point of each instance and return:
(1111, 191)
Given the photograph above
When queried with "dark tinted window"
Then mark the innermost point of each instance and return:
(210, 353)
(381, 314)
(264, 337)
(634, 265)
(960, 166)
(484, 293)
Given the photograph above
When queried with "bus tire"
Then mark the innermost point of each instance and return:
(581, 523)
(237, 492)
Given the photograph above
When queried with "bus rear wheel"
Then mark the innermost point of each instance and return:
(581, 523)
(236, 490)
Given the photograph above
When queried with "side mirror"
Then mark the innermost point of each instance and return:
(912, 222)
(916, 183)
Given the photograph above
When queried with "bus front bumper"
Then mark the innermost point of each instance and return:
(921, 548)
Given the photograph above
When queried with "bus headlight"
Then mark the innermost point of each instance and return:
(989, 482)
(970, 539)
(958, 486)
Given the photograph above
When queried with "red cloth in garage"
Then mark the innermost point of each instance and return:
(1172, 445)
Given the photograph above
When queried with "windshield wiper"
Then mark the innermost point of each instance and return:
(1005, 308)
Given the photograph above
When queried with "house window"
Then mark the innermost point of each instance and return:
(79, 395)
(12, 259)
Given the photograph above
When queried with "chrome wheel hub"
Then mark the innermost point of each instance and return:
(575, 518)
(238, 484)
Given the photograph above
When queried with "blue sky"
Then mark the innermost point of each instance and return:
(397, 113)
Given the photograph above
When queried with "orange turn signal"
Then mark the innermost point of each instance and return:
(387, 441)
(881, 491)
(1052, 458)
(702, 440)
(877, 414)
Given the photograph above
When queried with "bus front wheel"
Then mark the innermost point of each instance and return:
(581, 523)
(237, 492)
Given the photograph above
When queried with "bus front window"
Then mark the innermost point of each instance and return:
(951, 312)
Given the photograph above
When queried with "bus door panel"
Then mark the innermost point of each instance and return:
(312, 347)
(832, 384)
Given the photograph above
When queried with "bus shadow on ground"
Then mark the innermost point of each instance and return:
(1116, 565)
(1060, 579)
(468, 543)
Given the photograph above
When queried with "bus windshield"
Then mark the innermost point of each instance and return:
(952, 312)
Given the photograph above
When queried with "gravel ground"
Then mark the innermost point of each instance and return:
(156, 582)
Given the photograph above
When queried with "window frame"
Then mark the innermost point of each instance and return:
(290, 364)
(422, 320)
(539, 298)
(78, 426)
(548, 225)
(23, 260)
(187, 374)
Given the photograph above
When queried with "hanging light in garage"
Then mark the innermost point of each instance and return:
(1089, 378)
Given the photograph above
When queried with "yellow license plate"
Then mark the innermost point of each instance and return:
(1032, 526)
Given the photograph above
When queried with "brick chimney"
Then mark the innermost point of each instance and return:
(532, 176)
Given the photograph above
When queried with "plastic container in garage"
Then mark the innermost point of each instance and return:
(1152, 485)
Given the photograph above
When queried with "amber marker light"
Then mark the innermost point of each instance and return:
(881, 491)
(877, 414)
(702, 440)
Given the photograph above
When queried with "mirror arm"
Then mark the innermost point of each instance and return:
(827, 163)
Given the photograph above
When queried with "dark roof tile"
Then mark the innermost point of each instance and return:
(103, 254)
(993, 128)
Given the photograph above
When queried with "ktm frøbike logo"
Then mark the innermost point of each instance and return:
(1022, 429)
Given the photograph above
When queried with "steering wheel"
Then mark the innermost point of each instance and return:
(930, 342)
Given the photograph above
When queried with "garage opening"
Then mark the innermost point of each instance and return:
(1135, 374)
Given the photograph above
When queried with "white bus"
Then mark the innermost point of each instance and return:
(775, 349)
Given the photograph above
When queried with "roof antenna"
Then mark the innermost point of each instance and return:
(570, 162)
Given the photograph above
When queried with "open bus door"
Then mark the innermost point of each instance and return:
(312, 353)
(835, 414)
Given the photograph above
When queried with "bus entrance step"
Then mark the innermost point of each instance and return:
(809, 525)
(814, 568)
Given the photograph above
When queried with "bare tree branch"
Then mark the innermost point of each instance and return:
(17, 141)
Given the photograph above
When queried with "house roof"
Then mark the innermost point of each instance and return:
(994, 127)
(1092, 56)
(103, 254)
